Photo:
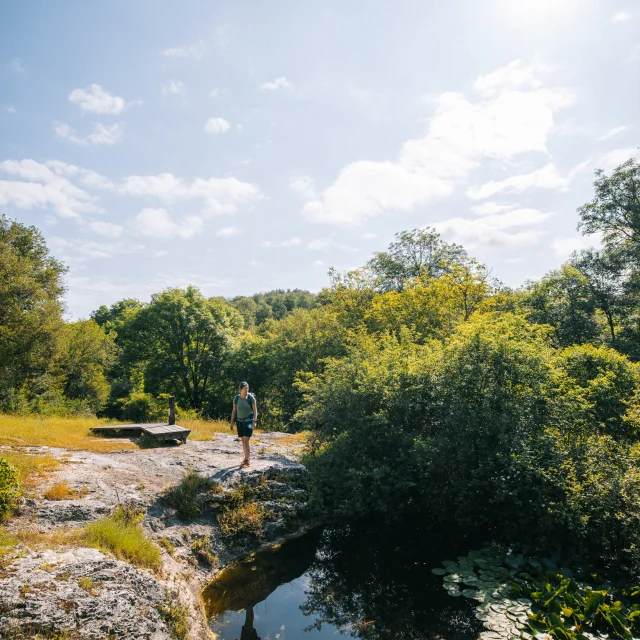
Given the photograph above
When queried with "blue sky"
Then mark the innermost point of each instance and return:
(248, 146)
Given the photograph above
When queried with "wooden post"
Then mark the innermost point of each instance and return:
(172, 410)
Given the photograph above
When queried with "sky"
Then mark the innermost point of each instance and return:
(248, 146)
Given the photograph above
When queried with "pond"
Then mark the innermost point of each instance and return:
(348, 582)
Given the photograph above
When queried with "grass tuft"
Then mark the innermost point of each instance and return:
(184, 497)
(176, 617)
(121, 534)
(62, 491)
(246, 518)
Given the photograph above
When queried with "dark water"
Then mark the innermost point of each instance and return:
(350, 583)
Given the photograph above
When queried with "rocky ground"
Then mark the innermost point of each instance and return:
(88, 594)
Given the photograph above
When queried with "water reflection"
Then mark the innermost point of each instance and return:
(351, 581)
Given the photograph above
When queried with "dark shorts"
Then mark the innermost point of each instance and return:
(245, 429)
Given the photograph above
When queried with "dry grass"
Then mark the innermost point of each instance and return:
(62, 491)
(57, 539)
(74, 434)
(31, 468)
(302, 437)
(50, 431)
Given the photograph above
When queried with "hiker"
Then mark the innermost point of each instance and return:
(245, 415)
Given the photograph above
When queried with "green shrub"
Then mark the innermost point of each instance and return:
(184, 497)
(9, 488)
(492, 433)
(121, 534)
(247, 518)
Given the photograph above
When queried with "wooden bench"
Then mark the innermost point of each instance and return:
(159, 431)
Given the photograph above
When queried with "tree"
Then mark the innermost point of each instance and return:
(615, 210)
(414, 253)
(31, 288)
(603, 271)
(183, 339)
(86, 352)
(563, 300)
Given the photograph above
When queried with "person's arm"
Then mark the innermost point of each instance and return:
(233, 416)
(255, 411)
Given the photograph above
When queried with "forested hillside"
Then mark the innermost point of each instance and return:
(416, 364)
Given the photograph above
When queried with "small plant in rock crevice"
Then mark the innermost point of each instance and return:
(184, 496)
(121, 533)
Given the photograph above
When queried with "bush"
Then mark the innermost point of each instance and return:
(247, 518)
(493, 433)
(121, 534)
(184, 497)
(9, 488)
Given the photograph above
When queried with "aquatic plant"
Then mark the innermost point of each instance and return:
(527, 598)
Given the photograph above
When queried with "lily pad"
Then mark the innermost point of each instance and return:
(439, 572)
(469, 593)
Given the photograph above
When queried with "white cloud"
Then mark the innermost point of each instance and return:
(502, 229)
(160, 254)
(192, 51)
(102, 134)
(220, 195)
(107, 229)
(174, 88)
(613, 132)
(215, 126)
(217, 92)
(87, 178)
(278, 83)
(488, 208)
(515, 75)
(95, 99)
(227, 232)
(369, 236)
(18, 66)
(611, 159)
(41, 187)
(157, 223)
(546, 177)
(621, 16)
(222, 35)
(289, 242)
(506, 122)
(304, 186)
(92, 249)
(319, 244)
(318, 263)
(564, 247)
(10, 109)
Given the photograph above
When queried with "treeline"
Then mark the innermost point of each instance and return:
(429, 386)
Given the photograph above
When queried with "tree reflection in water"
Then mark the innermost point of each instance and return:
(376, 588)
(357, 580)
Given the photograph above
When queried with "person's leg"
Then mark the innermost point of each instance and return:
(245, 447)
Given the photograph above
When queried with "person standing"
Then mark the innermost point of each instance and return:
(245, 415)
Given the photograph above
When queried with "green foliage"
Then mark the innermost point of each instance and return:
(31, 288)
(10, 493)
(276, 305)
(184, 497)
(122, 535)
(615, 211)
(563, 300)
(176, 617)
(182, 341)
(420, 252)
(571, 610)
(539, 439)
